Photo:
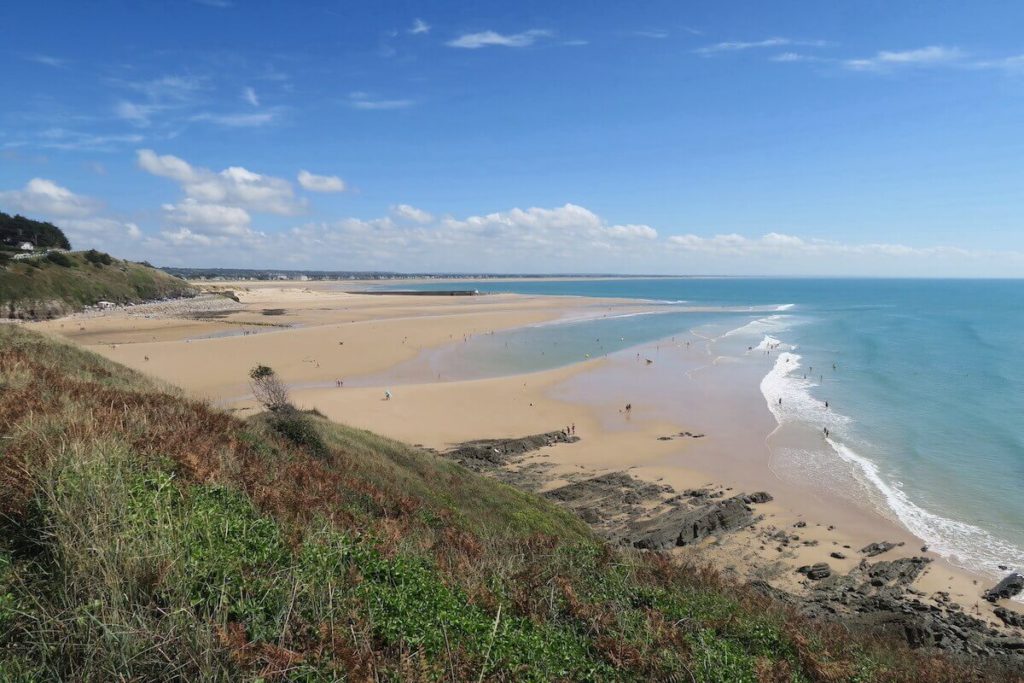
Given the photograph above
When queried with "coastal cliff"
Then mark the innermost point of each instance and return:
(150, 535)
(58, 283)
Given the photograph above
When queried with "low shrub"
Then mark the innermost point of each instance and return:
(98, 258)
(59, 258)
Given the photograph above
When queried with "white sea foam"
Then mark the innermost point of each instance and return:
(786, 382)
(784, 307)
(963, 544)
(771, 323)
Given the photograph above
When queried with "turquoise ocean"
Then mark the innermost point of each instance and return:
(924, 378)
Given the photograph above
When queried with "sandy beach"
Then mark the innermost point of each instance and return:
(316, 334)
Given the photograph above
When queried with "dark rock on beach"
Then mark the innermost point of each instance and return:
(876, 598)
(486, 454)
(816, 572)
(1012, 619)
(681, 526)
(1007, 588)
(758, 497)
(874, 549)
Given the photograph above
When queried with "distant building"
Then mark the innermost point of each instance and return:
(26, 246)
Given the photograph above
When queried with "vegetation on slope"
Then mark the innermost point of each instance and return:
(17, 229)
(144, 536)
(59, 283)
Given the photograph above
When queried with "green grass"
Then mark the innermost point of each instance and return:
(144, 536)
(77, 280)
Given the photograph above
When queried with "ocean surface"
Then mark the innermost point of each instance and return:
(924, 381)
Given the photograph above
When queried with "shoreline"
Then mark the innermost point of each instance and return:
(513, 406)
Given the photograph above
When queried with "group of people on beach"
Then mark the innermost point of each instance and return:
(570, 430)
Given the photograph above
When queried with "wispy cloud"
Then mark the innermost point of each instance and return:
(657, 34)
(475, 41)
(238, 120)
(135, 113)
(736, 46)
(166, 88)
(249, 95)
(419, 27)
(362, 100)
(795, 57)
(48, 60)
(72, 140)
(933, 55)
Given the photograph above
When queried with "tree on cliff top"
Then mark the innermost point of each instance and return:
(17, 229)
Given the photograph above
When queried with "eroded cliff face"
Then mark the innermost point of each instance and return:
(35, 310)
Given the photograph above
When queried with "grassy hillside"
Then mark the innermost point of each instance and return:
(144, 536)
(61, 283)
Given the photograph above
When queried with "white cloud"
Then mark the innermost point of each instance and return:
(98, 232)
(234, 186)
(783, 245)
(209, 218)
(411, 213)
(419, 26)
(249, 95)
(321, 183)
(474, 41)
(74, 213)
(926, 56)
(735, 46)
(362, 100)
(42, 197)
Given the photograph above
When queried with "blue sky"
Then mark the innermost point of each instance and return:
(863, 138)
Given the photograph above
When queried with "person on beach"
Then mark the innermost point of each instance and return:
(826, 432)
(387, 394)
(826, 405)
(780, 400)
(572, 429)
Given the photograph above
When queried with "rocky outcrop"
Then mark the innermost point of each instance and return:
(757, 497)
(873, 549)
(1011, 619)
(873, 597)
(486, 454)
(816, 572)
(680, 526)
(1007, 588)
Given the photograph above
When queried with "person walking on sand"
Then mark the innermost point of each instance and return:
(387, 394)
(573, 428)
(826, 432)
(780, 400)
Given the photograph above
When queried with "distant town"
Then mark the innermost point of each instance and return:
(306, 275)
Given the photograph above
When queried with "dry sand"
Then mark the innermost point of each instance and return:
(313, 334)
